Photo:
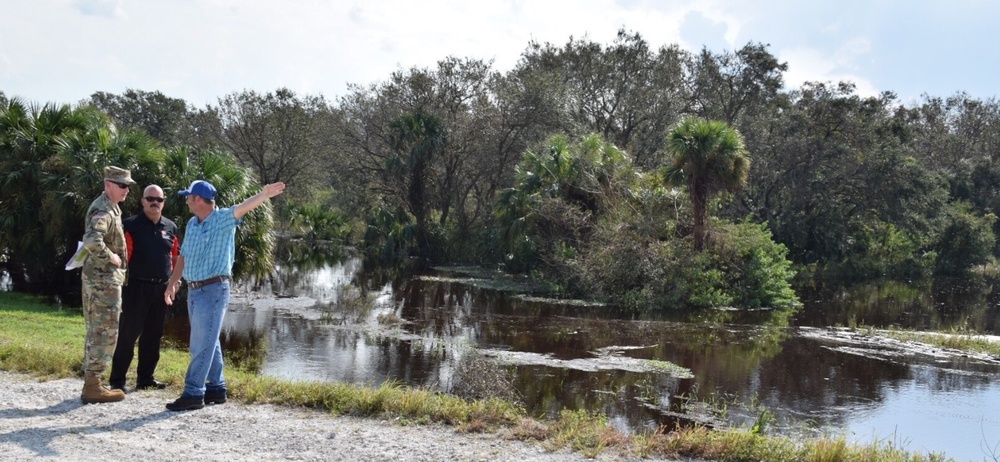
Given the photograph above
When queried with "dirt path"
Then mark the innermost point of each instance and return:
(46, 421)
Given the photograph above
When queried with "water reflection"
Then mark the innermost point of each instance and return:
(942, 305)
(331, 321)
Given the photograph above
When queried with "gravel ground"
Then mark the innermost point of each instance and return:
(46, 421)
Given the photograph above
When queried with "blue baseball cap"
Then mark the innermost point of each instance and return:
(200, 188)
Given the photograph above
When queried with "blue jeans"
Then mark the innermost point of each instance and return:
(207, 307)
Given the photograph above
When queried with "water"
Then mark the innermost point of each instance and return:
(331, 322)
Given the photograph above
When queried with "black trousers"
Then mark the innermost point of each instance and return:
(143, 315)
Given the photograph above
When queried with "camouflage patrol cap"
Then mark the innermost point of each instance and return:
(117, 174)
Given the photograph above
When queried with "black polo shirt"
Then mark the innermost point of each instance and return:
(151, 247)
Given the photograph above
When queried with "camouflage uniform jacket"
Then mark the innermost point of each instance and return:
(104, 236)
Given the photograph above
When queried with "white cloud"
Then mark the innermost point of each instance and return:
(723, 13)
(812, 65)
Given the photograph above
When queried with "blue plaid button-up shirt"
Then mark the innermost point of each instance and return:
(209, 246)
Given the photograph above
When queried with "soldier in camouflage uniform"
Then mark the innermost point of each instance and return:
(103, 274)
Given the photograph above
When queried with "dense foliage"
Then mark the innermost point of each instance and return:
(555, 167)
(584, 218)
(53, 159)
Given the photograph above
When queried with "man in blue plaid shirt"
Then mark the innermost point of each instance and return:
(206, 263)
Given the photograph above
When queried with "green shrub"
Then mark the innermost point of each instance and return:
(881, 249)
(319, 222)
(390, 235)
(740, 267)
(967, 240)
(759, 272)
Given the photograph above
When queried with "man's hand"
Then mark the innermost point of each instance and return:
(274, 189)
(168, 295)
(115, 260)
(252, 202)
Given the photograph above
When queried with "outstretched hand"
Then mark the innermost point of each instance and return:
(252, 202)
(274, 189)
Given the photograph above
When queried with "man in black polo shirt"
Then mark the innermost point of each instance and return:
(153, 246)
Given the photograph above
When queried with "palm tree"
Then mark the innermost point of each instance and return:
(583, 179)
(417, 138)
(708, 156)
(30, 139)
(72, 179)
(52, 159)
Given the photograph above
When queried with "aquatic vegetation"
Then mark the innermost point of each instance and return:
(607, 359)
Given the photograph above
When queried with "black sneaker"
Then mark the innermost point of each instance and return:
(186, 403)
(216, 397)
(154, 385)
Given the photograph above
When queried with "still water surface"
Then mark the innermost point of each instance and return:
(331, 322)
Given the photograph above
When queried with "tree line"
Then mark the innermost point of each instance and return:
(562, 167)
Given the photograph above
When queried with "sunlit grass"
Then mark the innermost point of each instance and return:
(666, 366)
(40, 339)
(740, 445)
(585, 432)
(962, 341)
(47, 342)
(390, 400)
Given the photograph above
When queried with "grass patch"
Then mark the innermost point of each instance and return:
(667, 366)
(40, 339)
(47, 342)
(962, 341)
(740, 445)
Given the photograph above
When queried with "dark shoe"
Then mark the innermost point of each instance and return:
(154, 385)
(118, 386)
(186, 403)
(216, 397)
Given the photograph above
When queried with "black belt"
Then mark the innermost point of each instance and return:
(209, 281)
(154, 281)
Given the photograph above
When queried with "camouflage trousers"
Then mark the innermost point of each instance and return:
(102, 304)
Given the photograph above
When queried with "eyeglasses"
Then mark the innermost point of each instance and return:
(153, 199)
(120, 185)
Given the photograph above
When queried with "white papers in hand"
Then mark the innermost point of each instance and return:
(76, 260)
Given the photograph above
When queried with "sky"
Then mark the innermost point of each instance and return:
(62, 51)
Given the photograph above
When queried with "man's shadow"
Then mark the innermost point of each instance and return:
(58, 408)
(39, 440)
